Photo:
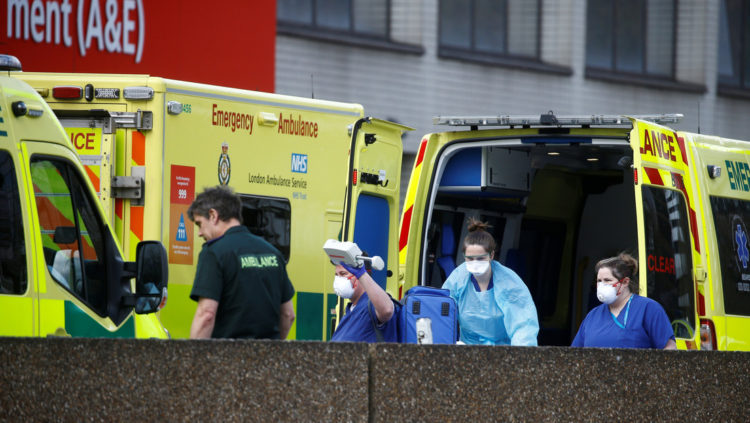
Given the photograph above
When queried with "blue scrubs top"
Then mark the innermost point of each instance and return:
(647, 326)
(356, 325)
(504, 314)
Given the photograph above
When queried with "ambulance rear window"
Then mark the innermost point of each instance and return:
(731, 217)
(668, 263)
(270, 218)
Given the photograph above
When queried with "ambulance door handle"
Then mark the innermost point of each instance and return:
(700, 274)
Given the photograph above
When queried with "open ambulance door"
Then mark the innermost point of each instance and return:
(669, 247)
(371, 208)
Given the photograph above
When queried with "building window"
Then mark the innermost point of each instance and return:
(365, 18)
(734, 44)
(631, 37)
(500, 28)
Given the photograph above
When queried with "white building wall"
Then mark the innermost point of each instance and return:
(412, 88)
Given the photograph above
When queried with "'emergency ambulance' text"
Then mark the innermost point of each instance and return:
(232, 120)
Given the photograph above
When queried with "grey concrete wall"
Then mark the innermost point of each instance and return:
(149, 380)
(200, 381)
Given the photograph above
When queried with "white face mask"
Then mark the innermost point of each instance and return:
(343, 287)
(477, 267)
(606, 293)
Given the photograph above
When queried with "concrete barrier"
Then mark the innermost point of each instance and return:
(151, 380)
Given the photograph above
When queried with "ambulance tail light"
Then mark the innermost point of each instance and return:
(708, 335)
(354, 177)
(67, 92)
(635, 176)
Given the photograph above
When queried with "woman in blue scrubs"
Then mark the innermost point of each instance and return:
(624, 319)
(494, 305)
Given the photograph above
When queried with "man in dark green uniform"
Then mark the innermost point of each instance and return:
(241, 284)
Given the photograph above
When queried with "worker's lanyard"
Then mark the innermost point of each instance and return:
(627, 310)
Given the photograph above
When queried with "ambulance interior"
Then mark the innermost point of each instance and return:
(555, 210)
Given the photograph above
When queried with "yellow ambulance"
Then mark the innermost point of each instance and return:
(565, 192)
(61, 270)
(151, 144)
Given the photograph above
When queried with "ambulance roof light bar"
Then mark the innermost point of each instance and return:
(550, 119)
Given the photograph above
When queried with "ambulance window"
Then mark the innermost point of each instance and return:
(731, 217)
(668, 263)
(270, 218)
(71, 236)
(12, 248)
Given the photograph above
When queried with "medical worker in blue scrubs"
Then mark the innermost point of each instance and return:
(624, 319)
(370, 315)
(494, 304)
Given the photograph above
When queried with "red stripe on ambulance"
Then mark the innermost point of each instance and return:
(653, 176)
(420, 156)
(139, 148)
(680, 184)
(404, 236)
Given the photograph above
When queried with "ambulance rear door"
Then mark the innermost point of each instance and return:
(668, 239)
(97, 137)
(371, 209)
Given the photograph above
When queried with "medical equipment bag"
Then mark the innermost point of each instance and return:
(428, 316)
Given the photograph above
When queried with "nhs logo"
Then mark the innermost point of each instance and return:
(299, 163)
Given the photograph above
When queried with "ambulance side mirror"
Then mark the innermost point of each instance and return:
(151, 277)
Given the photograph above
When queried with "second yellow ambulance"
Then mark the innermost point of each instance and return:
(307, 170)
(564, 192)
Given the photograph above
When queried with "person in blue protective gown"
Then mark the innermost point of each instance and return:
(494, 305)
(624, 319)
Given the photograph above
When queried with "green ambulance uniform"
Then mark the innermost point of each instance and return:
(247, 276)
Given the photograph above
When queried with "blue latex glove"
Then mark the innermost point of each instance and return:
(356, 271)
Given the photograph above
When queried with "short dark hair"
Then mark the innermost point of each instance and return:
(220, 198)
